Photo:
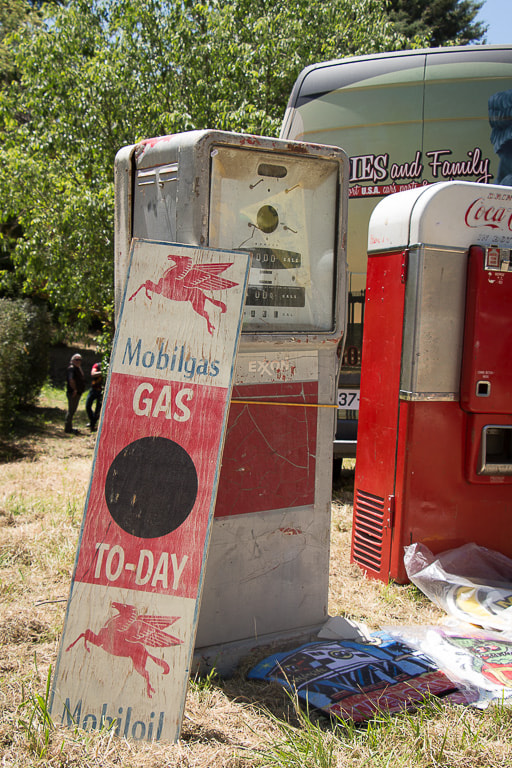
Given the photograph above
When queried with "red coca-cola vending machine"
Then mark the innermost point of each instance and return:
(434, 455)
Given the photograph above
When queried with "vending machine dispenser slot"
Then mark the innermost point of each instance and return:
(496, 453)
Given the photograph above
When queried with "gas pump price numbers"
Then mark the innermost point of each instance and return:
(266, 294)
(275, 258)
(275, 296)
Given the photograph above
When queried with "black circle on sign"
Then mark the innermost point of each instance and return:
(151, 487)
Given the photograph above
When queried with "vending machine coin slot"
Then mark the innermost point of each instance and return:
(483, 388)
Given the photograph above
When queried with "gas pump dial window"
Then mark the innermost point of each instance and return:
(283, 210)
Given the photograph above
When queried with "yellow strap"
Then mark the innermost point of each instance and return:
(298, 405)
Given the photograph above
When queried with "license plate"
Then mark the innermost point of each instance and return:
(349, 399)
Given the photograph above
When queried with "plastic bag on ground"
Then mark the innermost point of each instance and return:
(471, 583)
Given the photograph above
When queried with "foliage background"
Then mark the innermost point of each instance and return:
(81, 79)
(24, 347)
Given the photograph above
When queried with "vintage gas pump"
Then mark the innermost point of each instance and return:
(434, 458)
(285, 202)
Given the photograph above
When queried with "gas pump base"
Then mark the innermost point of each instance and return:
(226, 657)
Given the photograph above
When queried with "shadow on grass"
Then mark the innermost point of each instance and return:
(343, 485)
(30, 427)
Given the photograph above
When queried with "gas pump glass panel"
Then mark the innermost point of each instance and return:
(282, 209)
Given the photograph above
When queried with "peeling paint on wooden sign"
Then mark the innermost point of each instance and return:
(132, 612)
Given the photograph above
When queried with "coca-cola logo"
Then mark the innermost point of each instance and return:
(481, 213)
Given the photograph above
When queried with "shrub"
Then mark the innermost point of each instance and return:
(24, 350)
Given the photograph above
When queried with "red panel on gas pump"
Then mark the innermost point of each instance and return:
(269, 456)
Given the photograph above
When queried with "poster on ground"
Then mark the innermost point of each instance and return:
(354, 680)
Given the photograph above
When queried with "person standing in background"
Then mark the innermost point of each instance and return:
(75, 385)
(94, 397)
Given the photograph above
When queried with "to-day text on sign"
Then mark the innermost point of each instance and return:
(132, 612)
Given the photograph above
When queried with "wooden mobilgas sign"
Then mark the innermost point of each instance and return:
(132, 611)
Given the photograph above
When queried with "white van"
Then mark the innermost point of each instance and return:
(405, 119)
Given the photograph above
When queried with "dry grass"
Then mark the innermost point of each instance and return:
(361, 599)
(228, 724)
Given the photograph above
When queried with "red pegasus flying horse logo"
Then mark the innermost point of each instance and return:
(128, 633)
(186, 282)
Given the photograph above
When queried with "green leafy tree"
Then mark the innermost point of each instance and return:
(13, 13)
(99, 75)
(24, 346)
(442, 22)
